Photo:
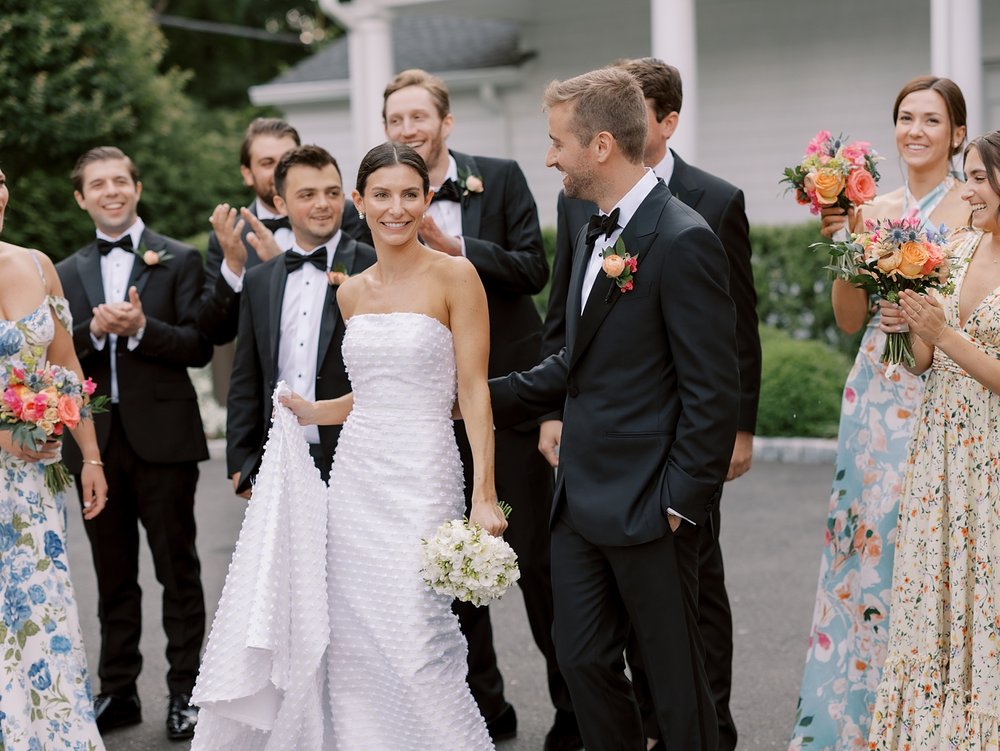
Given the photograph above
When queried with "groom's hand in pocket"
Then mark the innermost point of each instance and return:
(236, 487)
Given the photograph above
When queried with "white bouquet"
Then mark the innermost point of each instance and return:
(468, 563)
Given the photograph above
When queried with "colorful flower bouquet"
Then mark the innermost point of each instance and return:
(834, 173)
(468, 563)
(889, 256)
(40, 405)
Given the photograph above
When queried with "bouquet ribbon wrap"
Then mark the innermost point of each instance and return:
(261, 684)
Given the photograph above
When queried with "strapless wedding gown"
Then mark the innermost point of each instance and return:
(394, 672)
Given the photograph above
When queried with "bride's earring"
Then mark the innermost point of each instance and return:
(361, 215)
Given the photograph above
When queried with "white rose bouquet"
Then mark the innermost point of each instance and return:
(468, 563)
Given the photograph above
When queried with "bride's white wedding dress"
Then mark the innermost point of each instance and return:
(393, 675)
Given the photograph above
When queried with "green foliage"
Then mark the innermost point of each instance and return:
(793, 289)
(85, 73)
(542, 298)
(801, 386)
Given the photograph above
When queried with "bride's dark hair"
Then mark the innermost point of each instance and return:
(387, 154)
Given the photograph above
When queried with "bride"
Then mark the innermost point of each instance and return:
(417, 333)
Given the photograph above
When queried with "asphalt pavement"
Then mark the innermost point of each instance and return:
(772, 530)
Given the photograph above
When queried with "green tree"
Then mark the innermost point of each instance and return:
(84, 73)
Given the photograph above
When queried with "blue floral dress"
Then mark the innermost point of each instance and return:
(45, 696)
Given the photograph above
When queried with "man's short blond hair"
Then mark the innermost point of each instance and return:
(607, 99)
(418, 77)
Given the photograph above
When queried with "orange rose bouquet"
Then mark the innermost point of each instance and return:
(889, 256)
(40, 405)
(834, 173)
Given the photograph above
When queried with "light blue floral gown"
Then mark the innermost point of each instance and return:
(849, 637)
(45, 694)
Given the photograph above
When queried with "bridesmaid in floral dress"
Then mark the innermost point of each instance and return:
(45, 694)
(847, 641)
(941, 685)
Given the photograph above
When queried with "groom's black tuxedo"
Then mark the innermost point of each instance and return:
(151, 442)
(722, 206)
(504, 242)
(255, 367)
(649, 390)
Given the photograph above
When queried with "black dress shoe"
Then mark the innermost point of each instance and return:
(116, 711)
(504, 726)
(181, 717)
(564, 735)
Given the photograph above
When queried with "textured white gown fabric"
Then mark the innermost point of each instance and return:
(393, 675)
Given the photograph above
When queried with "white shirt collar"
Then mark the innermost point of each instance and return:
(265, 213)
(630, 202)
(331, 248)
(134, 232)
(665, 169)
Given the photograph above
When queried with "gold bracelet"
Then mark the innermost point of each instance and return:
(95, 462)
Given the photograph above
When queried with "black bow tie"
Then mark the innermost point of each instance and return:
(106, 246)
(447, 192)
(295, 261)
(601, 225)
(278, 222)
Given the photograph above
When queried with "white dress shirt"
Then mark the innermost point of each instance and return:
(665, 169)
(282, 236)
(116, 268)
(301, 319)
(448, 214)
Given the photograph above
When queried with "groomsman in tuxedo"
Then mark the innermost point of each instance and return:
(265, 141)
(649, 404)
(133, 294)
(483, 210)
(290, 327)
(722, 207)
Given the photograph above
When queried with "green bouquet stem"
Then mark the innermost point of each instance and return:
(898, 350)
(57, 477)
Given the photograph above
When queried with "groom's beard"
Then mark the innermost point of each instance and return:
(580, 185)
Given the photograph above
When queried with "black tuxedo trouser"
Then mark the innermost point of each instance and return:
(603, 592)
(523, 479)
(161, 496)
(715, 622)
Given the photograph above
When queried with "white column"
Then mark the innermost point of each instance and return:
(674, 31)
(369, 46)
(956, 52)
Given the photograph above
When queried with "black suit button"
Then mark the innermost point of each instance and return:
(573, 392)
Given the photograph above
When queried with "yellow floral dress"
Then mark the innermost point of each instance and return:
(941, 682)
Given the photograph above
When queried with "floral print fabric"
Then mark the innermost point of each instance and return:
(46, 701)
(941, 688)
(847, 641)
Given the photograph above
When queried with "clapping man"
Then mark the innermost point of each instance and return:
(133, 294)
(649, 403)
(483, 210)
(722, 207)
(290, 328)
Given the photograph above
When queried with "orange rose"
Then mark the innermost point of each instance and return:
(912, 257)
(860, 187)
(828, 184)
(336, 278)
(935, 258)
(613, 265)
(150, 258)
(69, 411)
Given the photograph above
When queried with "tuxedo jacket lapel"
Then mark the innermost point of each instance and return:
(275, 297)
(343, 256)
(140, 271)
(637, 237)
(472, 204)
(89, 267)
(681, 186)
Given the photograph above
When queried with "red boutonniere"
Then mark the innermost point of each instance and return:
(620, 265)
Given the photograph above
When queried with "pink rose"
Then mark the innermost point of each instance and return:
(818, 143)
(12, 400)
(855, 152)
(860, 187)
(934, 258)
(68, 411)
(336, 278)
(473, 184)
(89, 387)
(150, 258)
(613, 265)
(627, 287)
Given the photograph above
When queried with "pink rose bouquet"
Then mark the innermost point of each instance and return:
(834, 173)
(889, 256)
(40, 405)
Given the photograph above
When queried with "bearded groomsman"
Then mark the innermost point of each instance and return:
(483, 210)
(133, 294)
(722, 207)
(290, 328)
(266, 140)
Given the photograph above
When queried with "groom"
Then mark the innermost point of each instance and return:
(650, 402)
(290, 327)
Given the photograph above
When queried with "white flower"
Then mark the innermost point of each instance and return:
(467, 563)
